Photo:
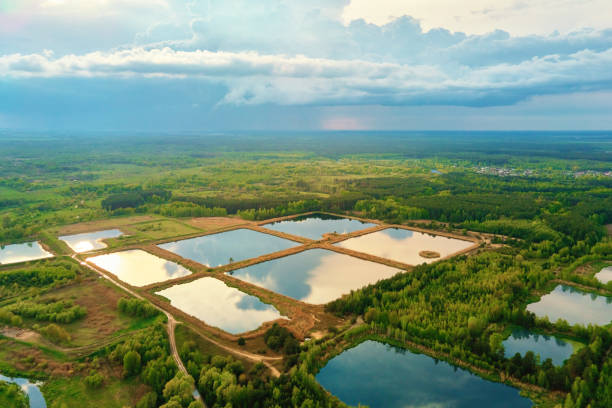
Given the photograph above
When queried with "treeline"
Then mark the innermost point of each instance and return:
(135, 198)
(268, 207)
(389, 210)
(187, 209)
(63, 311)
(15, 281)
(137, 308)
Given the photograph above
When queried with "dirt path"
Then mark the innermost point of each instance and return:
(170, 327)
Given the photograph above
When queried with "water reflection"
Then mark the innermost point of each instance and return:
(28, 251)
(139, 268)
(605, 275)
(382, 376)
(314, 276)
(315, 225)
(219, 305)
(574, 306)
(226, 247)
(31, 389)
(90, 240)
(404, 245)
(521, 341)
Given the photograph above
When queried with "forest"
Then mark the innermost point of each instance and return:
(547, 223)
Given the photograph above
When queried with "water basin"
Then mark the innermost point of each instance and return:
(314, 226)
(404, 245)
(28, 251)
(226, 247)
(382, 376)
(89, 241)
(139, 268)
(216, 304)
(314, 276)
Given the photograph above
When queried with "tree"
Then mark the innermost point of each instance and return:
(131, 363)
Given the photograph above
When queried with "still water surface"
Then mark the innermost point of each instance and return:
(219, 249)
(31, 389)
(404, 245)
(90, 240)
(139, 268)
(605, 275)
(574, 306)
(219, 305)
(28, 251)
(314, 276)
(315, 225)
(521, 341)
(382, 376)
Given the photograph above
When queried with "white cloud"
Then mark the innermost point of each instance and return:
(519, 17)
(254, 78)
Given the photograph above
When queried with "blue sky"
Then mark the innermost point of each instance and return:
(319, 64)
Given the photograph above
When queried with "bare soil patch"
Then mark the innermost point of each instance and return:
(97, 225)
(213, 223)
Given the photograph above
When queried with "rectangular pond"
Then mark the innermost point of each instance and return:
(89, 241)
(226, 247)
(605, 275)
(314, 226)
(28, 251)
(574, 306)
(314, 276)
(404, 245)
(557, 349)
(139, 268)
(216, 304)
(382, 376)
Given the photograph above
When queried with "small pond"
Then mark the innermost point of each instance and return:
(314, 226)
(31, 389)
(605, 275)
(574, 306)
(382, 376)
(28, 251)
(219, 305)
(314, 276)
(89, 241)
(139, 268)
(521, 341)
(226, 247)
(404, 245)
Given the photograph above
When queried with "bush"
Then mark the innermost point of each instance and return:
(56, 334)
(131, 363)
(94, 380)
(137, 308)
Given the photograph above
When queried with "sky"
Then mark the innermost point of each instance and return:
(306, 65)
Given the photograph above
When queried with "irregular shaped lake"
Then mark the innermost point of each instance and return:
(219, 305)
(382, 376)
(404, 245)
(521, 341)
(139, 268)
(28, 251)
(219, 249)
(314, 276)
(90, 240)
(315, 225)
(574, 306)
(605, 275)
(31, 389)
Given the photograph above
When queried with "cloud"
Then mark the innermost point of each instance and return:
(253, 78)
(541, 17)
